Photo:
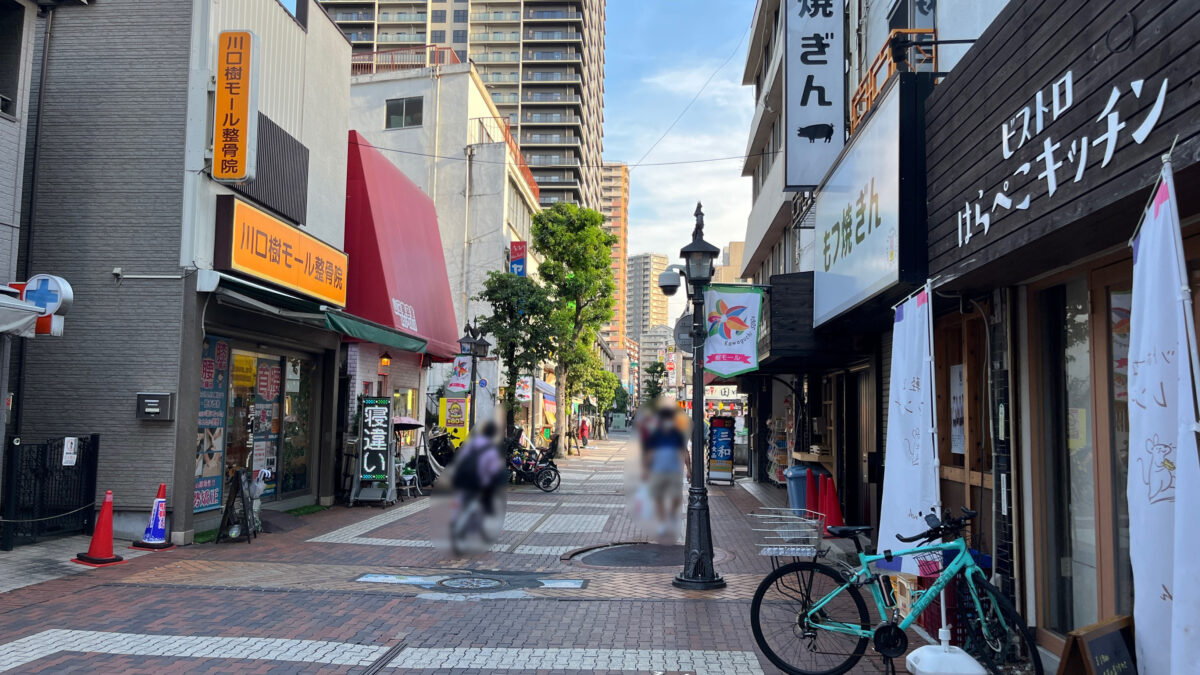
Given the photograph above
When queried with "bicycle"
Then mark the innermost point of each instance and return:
(810, 619)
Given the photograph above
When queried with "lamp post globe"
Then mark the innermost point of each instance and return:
(698, 570)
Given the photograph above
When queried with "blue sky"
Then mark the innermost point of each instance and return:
(651, 74)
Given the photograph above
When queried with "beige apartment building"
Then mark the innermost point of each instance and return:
(730, 268)
(646, 306)
(614, 204)
(542, 63)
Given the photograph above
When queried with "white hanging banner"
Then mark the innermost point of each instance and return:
(1164, 471)
(525, 389)
(910, 472)
(460, 374)
(734, 312)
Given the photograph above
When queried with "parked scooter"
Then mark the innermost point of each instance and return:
(527, 464)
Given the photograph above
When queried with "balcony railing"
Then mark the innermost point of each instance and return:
(552, 77)
(919, 59)
(495, 58)
(550, 139)
(551, 14)
(552, 160)
(361, 36)
(500, 78)
(387, 17)
(496, 130)
(504, 99)
(407, 38)
(550, 118)
(353, 16)
(496, 37)
(553, 56)
(552, 35)
(404, 58)
(551, 98)
(496, 16)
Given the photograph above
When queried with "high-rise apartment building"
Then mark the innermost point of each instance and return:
(647, 306)
(542, 62)
(614, 204)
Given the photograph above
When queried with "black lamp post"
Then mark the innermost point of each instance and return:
(473, 344)
(698, 257)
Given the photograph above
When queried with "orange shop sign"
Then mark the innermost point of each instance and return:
(256, 243)
(235, 111)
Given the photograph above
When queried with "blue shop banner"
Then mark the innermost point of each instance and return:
(720, 449)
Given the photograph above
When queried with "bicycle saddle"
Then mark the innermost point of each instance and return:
(844, 531)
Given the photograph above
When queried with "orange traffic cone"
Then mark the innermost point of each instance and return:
(810, 492)
(833, 511)
(100, 553)
(155, 537)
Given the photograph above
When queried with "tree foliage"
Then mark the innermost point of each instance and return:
(655, 372)
(620, 399)
(577, 271)
(519, 325)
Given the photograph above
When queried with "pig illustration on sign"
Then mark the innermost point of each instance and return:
(814, 131)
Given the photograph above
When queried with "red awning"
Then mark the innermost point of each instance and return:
(397, 272)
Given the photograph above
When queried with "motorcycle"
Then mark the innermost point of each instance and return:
(529, 465)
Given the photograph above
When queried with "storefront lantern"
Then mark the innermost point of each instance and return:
(385, 360)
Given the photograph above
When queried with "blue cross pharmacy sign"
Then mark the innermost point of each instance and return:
(52, 295)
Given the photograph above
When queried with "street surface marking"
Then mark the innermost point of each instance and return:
(700, 662)
(566, 523)
(521, 522)
(49, 642)
(343, 535)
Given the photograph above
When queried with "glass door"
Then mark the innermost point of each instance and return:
(1069, 573)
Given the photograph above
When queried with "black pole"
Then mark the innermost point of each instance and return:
(698, 571)
(474, 387)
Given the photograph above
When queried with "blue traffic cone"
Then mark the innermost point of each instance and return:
(155, 538)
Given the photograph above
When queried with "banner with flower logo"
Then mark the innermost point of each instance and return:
(733, 313)
(460, 374)
(525, 389)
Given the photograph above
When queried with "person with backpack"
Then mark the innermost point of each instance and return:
(479, 467)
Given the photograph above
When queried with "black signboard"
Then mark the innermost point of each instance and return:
(376, 479)
(1104, 648)
(1044, 141)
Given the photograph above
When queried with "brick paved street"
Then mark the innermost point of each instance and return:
(357, 590)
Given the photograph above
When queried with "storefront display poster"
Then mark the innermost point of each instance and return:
(720, 449)
(210, 427)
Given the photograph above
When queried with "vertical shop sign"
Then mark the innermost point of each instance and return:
(375, 439)
(516, 258)
(235, 111)
(814, 90)
(210, 424)
(958, 417)
(720, 449)
(266, 419)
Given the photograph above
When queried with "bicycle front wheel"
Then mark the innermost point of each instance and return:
(998, 637)
(547, 479)
(801, 641)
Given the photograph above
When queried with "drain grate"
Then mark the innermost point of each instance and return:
(471, 583)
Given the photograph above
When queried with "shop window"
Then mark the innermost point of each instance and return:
(404, 404)
(12, 23)
(297, 412)
(403, 113)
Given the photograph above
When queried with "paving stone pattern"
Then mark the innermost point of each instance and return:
(296, 602)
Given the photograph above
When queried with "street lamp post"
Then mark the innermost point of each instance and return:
(698, 256)
(473, 344)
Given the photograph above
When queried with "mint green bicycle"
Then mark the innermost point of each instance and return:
(810, 618)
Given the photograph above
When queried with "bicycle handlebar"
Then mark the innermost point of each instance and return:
(938, 528)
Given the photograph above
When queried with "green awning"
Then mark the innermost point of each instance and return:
(369, 331)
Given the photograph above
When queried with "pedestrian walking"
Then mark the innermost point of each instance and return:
(583, 431)
(664, 464)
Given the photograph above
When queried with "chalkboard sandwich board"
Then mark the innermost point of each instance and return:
(1104, 648)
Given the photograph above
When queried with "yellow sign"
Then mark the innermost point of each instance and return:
(452, 416)
(235, 112)
(243, 370)
(253, 242)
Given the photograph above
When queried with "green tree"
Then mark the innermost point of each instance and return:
(602, 385)
(577, 270)
(620, 399)
(520, 325)
(655, 372)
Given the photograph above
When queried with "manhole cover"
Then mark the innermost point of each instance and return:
(640, 555)
(470, 583)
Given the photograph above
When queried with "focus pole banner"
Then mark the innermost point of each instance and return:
(525, 389)
(910, 472)
(460, 374)
(733, 313)
(1164, 470)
